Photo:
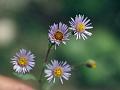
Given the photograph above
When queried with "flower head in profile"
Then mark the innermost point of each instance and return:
(58, 34)
(80, 25)
(58, 70)
(23, 61)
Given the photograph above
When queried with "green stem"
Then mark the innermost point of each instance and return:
(77, 66)
(45, 61)
(47, 54)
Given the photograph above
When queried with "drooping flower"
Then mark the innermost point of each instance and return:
(80, 25)
(58, 70)
(23, 61)
(58, 34)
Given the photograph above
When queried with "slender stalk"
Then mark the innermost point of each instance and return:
(45, 61)
(78, 66)
(47, 54)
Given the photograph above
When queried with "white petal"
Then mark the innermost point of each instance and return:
(48, 75)
(66, 78)
(23, 69)
(84, 37)
(61, 80)
(50, 78)
(49, 66)
(82, 17)
(84, 20)
(67, 74)
(48, 71)
(32, 63)
(54, 80)
(55, 46)
(28, 68)
(14, 62)
(89, 27)
(15, 67)
(64, 63)
(87, 21)
(88, 33)
(72, 19)
(64, 42)
(76, 33)
(71, 28)
(19, 70)
(77, 36)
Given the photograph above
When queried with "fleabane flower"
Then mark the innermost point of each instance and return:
(23, 61)
(58, 70)
(80, 25)
(58, 33)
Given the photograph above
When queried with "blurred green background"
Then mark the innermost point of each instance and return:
(25, 24)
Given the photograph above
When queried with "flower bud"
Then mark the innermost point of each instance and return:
(90, 64)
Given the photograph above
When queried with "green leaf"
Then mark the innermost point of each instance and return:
(25, 76)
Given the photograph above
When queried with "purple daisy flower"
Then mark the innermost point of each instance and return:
(80, 25)
(57, 70)
(23, 61)
(58, 33)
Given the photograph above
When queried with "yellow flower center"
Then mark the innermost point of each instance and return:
(58, 71)
(58, 35)
(22, 61)
(80, 27)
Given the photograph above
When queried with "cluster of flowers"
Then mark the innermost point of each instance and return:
(24, 61)
(58, 33)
